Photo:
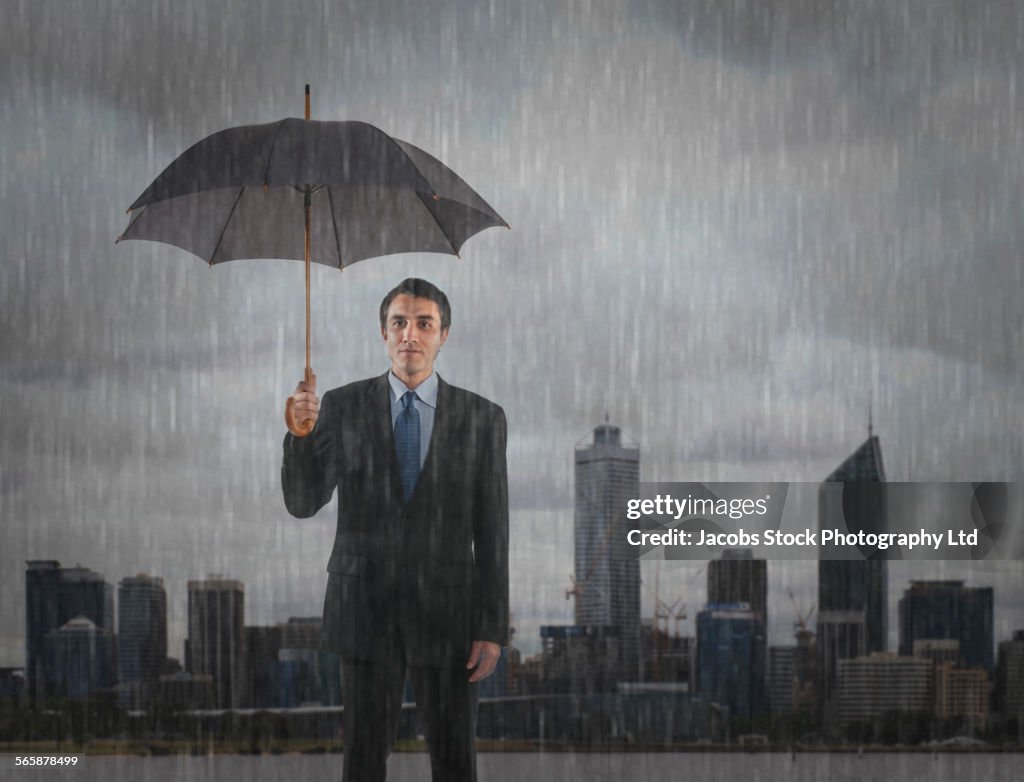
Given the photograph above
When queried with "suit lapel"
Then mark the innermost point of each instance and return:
(447, 418)
(446, 423)
(378, 420)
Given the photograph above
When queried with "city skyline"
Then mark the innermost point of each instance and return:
(914, 586)
(781, 609)
(232, 665)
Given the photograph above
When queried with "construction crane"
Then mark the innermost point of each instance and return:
(800, 625)
(680, 617)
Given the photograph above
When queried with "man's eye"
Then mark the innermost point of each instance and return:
(424, 324)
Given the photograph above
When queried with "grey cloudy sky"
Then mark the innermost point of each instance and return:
(732, 222)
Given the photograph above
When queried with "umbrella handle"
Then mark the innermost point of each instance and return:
(298, 428)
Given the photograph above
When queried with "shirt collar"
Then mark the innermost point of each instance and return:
(426, 391)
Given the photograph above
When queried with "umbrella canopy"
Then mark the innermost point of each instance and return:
(360, 193)
(240, 193)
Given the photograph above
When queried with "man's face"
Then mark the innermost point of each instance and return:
(412, 331)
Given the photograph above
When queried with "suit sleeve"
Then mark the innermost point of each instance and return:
(490, 539)
(307, 468)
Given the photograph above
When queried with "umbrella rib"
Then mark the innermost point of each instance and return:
(433, 194)
(444, 233)
(270, 154)
(225, 228)
(334, 222)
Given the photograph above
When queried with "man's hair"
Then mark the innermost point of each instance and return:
(420, 289)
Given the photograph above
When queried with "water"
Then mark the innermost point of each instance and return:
(518, 767)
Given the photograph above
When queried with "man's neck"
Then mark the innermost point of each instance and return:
(411, 381)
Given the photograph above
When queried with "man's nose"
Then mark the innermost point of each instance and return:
(409, 333)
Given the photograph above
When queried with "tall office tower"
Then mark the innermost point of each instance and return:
(53, 597)
(931, 610)
(730, 658)
(216, 636)
(142, 628)
(1009, 689)
(781, 680)
(739, 578)
(789, 681)
(852, 588)
(841, 636)
(607, 589)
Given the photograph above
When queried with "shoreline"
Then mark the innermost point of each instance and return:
(485, 746)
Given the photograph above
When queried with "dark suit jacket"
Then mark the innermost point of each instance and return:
(431, 574)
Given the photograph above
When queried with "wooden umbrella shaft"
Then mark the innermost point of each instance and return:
(296, 427)
(307, 208)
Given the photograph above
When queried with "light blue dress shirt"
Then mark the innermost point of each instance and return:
(426, 406)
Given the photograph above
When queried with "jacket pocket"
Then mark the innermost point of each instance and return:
(347, 564)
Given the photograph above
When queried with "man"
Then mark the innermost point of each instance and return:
(418, 575)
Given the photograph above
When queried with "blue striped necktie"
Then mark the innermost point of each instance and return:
(407, 443)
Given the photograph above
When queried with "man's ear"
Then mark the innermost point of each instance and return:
(444, 334)
(383, 333)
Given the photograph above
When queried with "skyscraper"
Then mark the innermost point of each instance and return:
(216, 636)
(852, 618)
(1009, 689)
(780, 680)
(142, 628)
(850, 499)
(607, 589)
(739, 578)
(841, 636)
(931, 610)
(730, 658)
(53, 597)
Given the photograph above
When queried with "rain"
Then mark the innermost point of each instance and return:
(738, 230)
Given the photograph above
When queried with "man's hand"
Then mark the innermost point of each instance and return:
(307, 403)
(483, 656)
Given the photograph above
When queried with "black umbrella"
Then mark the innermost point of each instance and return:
(238, 193)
